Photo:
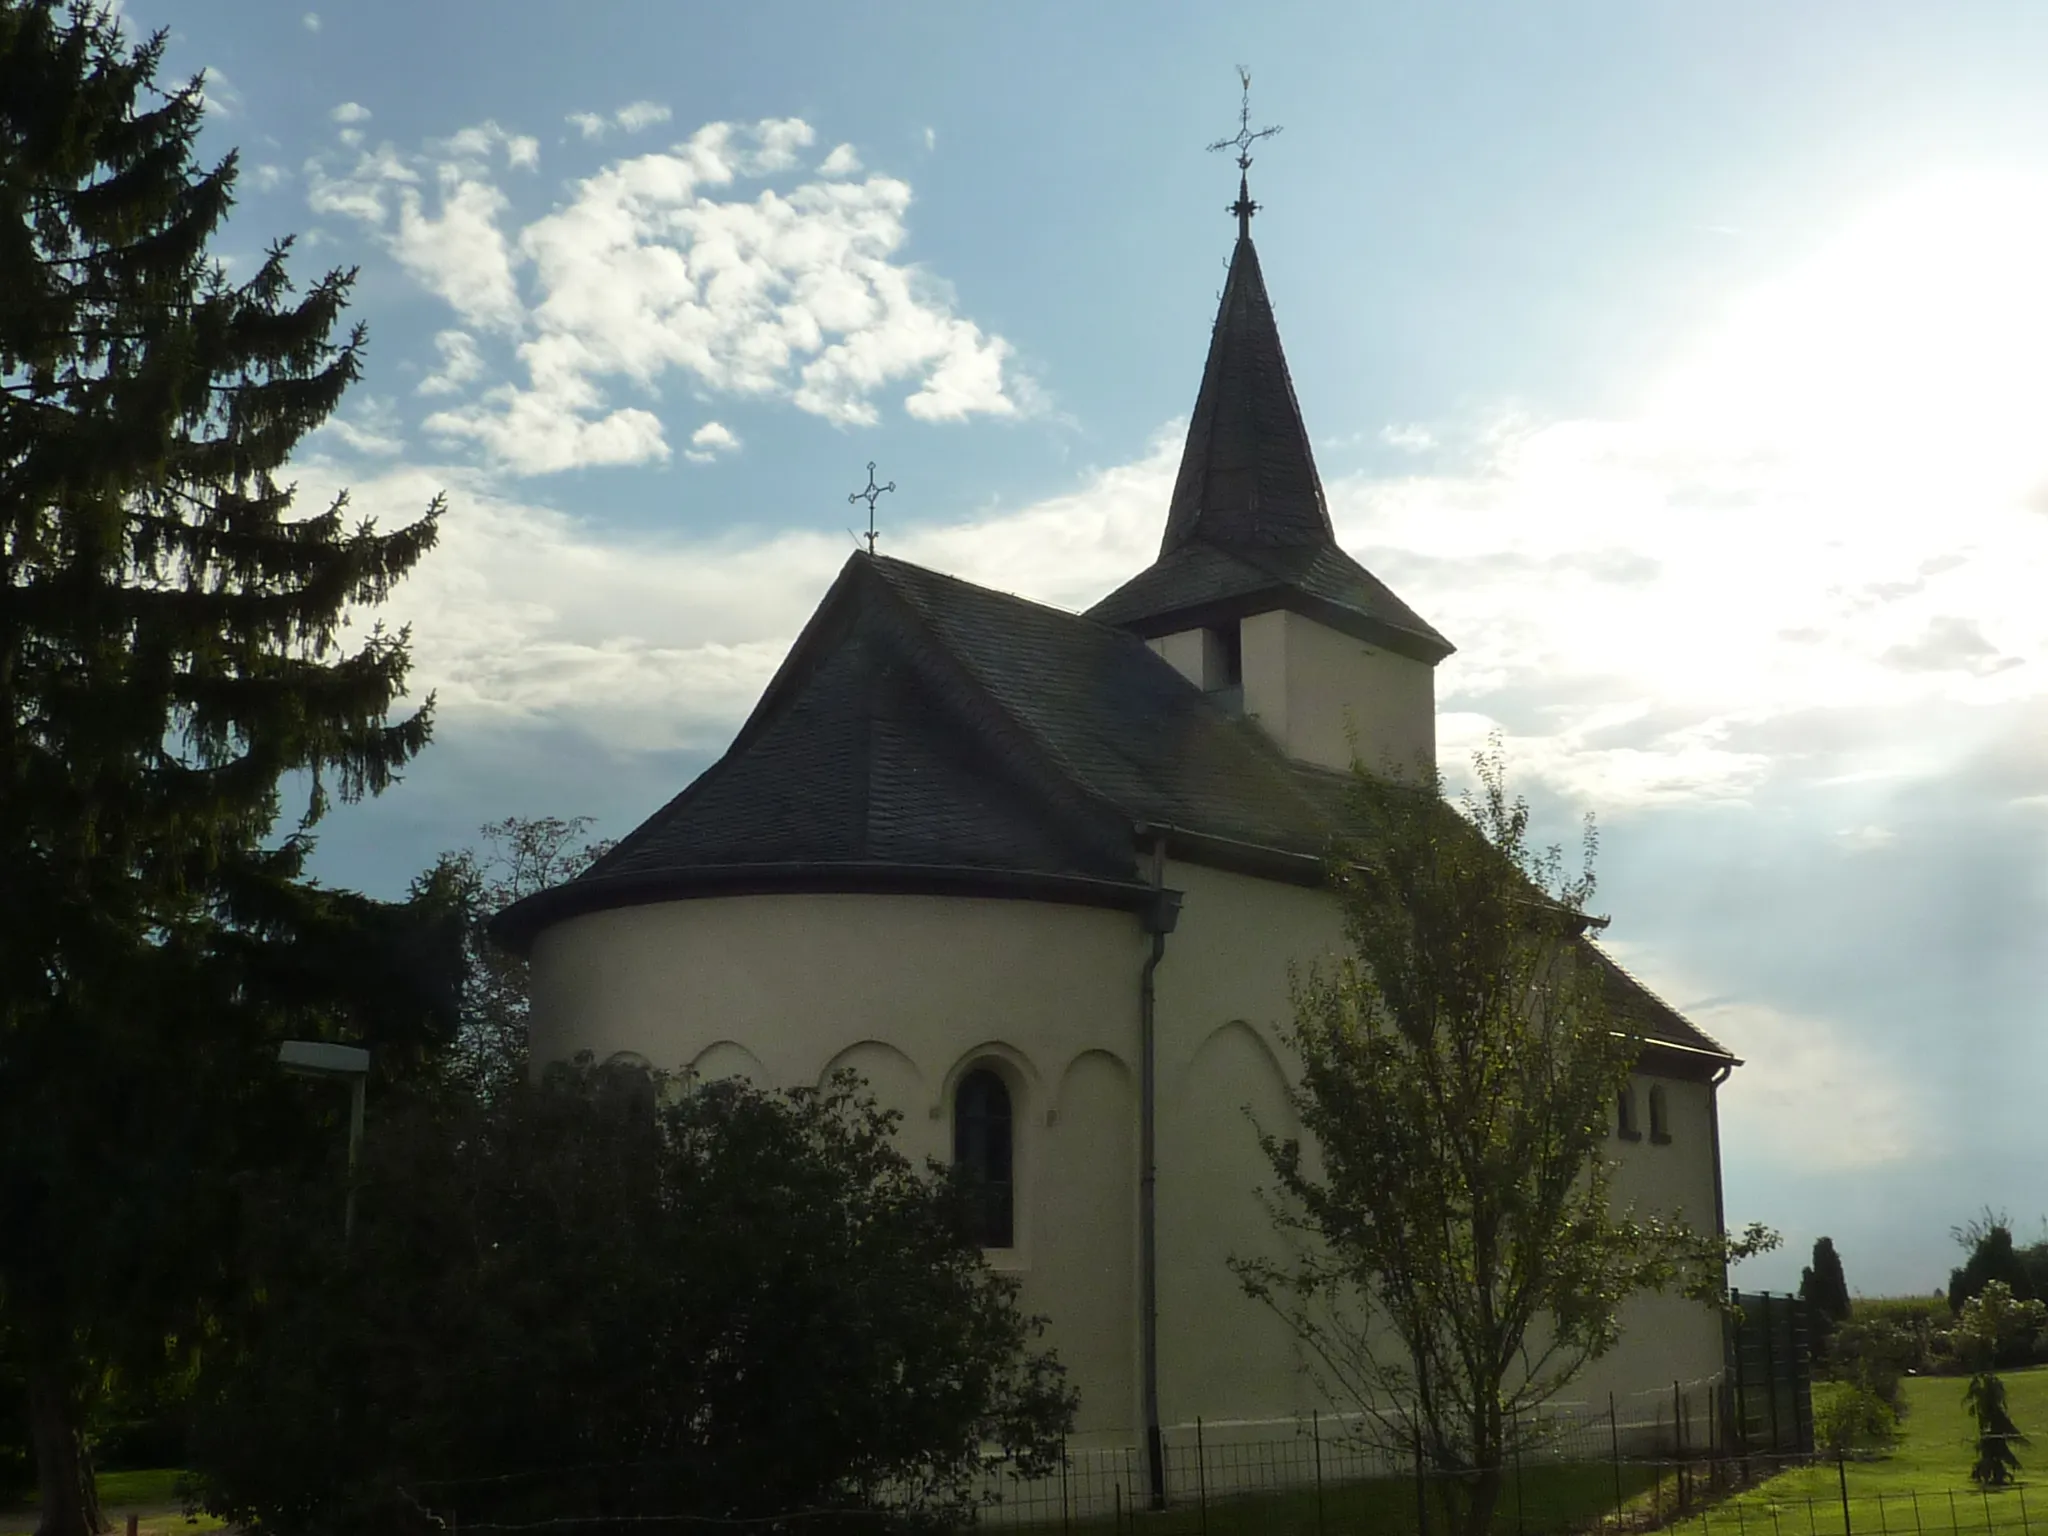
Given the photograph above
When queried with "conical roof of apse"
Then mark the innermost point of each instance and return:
(1248, 529)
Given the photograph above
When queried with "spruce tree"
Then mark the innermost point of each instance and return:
(1825, 1289)
(171, 650)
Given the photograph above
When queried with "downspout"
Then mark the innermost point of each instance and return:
(1729, 1340)
(1160, 916)
(1714, 1142)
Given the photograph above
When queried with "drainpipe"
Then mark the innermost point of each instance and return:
(1714, 1141)
(1160, 916)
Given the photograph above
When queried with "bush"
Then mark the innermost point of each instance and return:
(594, 1296)
(1848, 1416)
(1998, 1329)
(1874, 1354)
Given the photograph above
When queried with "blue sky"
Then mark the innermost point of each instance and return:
(1683, 365)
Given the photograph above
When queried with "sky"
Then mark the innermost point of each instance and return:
(1686, 366)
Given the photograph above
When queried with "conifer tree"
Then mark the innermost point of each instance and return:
(171, 649)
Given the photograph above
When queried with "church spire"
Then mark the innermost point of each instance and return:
(1247, 476)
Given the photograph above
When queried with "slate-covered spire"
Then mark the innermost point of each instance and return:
(1247, 475)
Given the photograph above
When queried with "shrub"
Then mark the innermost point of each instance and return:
(1997, 1328)
(1874, 1354)
(1848, 1416)
(611, 1293)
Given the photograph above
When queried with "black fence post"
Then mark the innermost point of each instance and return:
(1771, 1369)
(1614, 1438)
(1842, 1473)
(1066, 1508)
(1421, 1497)
(1315, 1425)
(1202, 1474)
(1117, 1513)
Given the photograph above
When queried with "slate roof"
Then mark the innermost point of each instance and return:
(925, 724)
(924, 720)
(1248, 529)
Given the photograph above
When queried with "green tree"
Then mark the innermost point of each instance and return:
(171, 650)
(517, 857)
(1997, 1328)
(613, 1294)
(1825, 1290)
(1997, 1434)
(1463, 1257)
(1988, 1240)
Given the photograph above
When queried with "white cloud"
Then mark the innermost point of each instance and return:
(459, 252)
(311, 21)
(217, 93)
(1408, 437)
(843, 161)
(1815, 1096)
(350, 112)
(931, 138)
(522, 151)
(709, 441)
(370, 428)
(1828, 499)
(268, 178)
(631, 118)
(796, 293)
(637, 115)
(461, 364)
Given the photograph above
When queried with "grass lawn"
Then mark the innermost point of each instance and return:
(1554, 1499)
(1922, 1485)
(154, 1493)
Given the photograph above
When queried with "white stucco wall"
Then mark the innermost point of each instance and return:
(911, 991)
(1311, 686)
(1223, 1004)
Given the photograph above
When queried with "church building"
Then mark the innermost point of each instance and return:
(1040, 877)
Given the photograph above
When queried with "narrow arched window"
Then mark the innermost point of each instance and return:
(1626, 1114)
(1660, 1115)
(982, 1151)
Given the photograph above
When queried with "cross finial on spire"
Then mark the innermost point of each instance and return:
(871, 495)
(1246, 137)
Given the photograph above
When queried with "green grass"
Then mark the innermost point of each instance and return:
(1553, 1499)
(1921, 1486)
(154, 1489)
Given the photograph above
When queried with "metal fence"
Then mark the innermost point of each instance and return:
(1578, 1466)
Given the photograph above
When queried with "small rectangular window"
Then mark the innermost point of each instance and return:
(1660, 1116)
(1629, 1130)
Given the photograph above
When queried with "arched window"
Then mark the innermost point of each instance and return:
(982, 1151)
(1660, 1115)
(1630, 1131)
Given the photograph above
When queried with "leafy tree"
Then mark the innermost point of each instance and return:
(1998, 1328)
(1992, 1257)
(519, 856)
(1460, 1066)
(1996, 1461)
(171, 649)
(610, 1293)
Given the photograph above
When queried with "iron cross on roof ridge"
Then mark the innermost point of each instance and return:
(1246, 137)
(871, 495)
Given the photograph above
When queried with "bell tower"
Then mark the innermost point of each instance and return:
(1251, 598)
